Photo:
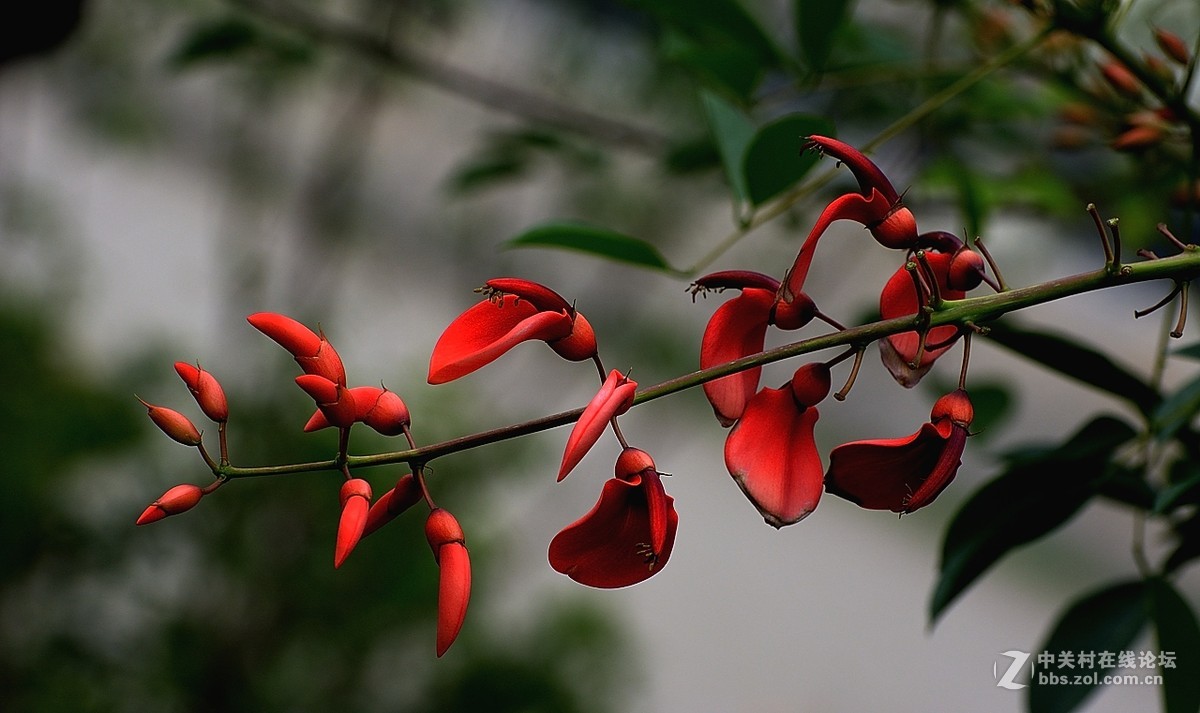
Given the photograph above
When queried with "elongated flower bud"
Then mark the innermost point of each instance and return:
(334, 400)
(205, 389)
(180, 498)
(395, 501)
(454, 578)
(312, 351)
(355, 497)
(613, 399)
(174, 424)
(1173, 46)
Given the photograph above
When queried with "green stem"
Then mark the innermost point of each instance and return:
(972, 310)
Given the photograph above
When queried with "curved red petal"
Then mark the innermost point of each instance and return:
(613, 399)
(404, 495)
(486, 331)
(773, 457)
(865, 171)
(898, 474)
(852, 206)
(454, 592)
(611, 546)
(738, 328)
(293, 336)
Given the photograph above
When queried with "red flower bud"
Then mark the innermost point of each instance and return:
(334, 400)
(1173, 46)
(1139, 138)
(395, 501)
(205, 389)
(613, 399)
(811, 384)
(179, 499)
(355, 497)
(454, 577)
(174, 424)
(966, 270)
(1121, 79)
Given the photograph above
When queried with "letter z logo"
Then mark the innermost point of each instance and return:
(1008, 679)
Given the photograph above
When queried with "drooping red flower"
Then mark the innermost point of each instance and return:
(629, 533)
(445, 537)
(904, 474)
(771, 452)
(614, 398)
(909, 355)
(515, 311)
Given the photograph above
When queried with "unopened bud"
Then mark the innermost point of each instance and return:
(179, 499)
(205, 389)
(174, 424)
(1173, 46)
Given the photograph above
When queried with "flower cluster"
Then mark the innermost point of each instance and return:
(770, 450)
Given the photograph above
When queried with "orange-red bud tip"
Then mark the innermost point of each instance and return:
(180, 498)
(633, 461)
(955, 406)
(442, 528)
(811, 384)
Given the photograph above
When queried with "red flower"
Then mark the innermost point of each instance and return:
(335, 401)
(405, 494)
(627, 536)
(771, 452)
(454, 575)
(904, 474)
(614, 398)
(909, 355)
(515, 311)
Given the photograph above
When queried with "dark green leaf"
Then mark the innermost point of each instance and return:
(1177, 633)
(1077, 361)
(1031, 498)
(1128, 486)
(733, 132)
(1177, 410)
(1105, 620)
(1191, 351)
(230, 37)
(729, 68)
(1188, 533)
(817, 25)
(774, 162)
(713, 23)
(1182, 490)
(594, 240)
(690, 156)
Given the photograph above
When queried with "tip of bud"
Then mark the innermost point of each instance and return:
(955, 406)
(633, 461)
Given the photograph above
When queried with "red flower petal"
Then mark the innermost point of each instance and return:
(454, 593)
(899, 474)
(738, 328)
(335, 401)
(205, 389)
(404, 495)
(613, 399)
(612, 545)
(852, 206)
(865, 171)
(293, 336)
(773, 457)
(486, 331)
(899, 299)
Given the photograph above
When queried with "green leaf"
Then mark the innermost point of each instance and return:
(597, 241)
(1035, 495)
(1105, 620)
(733, 132)
(1177, 410)
(1179, 492)
(774, 161)
(713, 23)
(1077, 361)
(817, 25)
(1191, 351)
(233, 37)
(1177, 632)
(731, 68)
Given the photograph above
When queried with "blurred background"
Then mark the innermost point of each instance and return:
(168, 168)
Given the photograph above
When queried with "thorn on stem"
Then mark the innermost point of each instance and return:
(1108, 250)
